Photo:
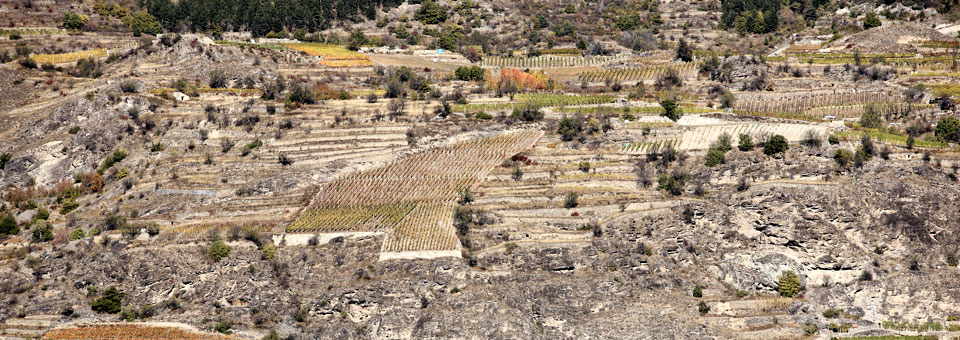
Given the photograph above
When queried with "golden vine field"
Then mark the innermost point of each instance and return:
(69, 57)
(333, 56)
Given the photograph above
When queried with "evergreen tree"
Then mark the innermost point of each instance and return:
(684, 51)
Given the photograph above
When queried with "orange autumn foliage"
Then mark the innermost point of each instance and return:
(536, 80)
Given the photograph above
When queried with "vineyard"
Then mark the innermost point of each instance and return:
(538, 100)
(333, 56)
(654, 146)
(645, 72)
(413, 197)
(352, 218)
(886, 137)
(69, 57)
(126, 331)
(944, 90)
(636, 110)
(818, 106)
(428, 227)
(548, 61)
(700, 138)
(236, 91)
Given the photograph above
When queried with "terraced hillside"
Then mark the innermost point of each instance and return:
(412, 198)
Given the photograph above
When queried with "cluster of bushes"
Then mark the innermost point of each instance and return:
(117, 156)
(773, 145)
(580, 127)
(527, 113)
(405, 78)
(470, 73)
(716, 155)
(865, 152)
(87, 68)
(673, 182)
(110, 301)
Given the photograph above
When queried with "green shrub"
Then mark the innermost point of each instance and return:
(68, 206)
(570, 128)
(483, 116)
(527, 113)
(833, 140)
(117, 156)
(73, 21)
(809, 329)
(114, 222)
(697, 291)
(470, 73)
(831, 313)
(128, 86)
(223, 327)
(77, 234)
(870, 119)
(268, 251)
(157, 147)
(723, 142)
(671, 109)
(430, 13)
(570, 200)
(28, 63)
(584, 166)
(271, 336)
(672, 183)
(684, 51)
(715, 157)
(843, 157)
(129, 314)
(218, 79)
(142, 22)
(109, 302)
(746, 143)
(703, 308)
(219, 250)
(774, 145)
(74, 130)
(948, 129)
(42, 233)
(788, 285)
(952, 260)
(8, 225)
(299, 93)
(871, 20)
(42, 214)
(4, 158)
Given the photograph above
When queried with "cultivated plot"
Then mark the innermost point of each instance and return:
(412, 198)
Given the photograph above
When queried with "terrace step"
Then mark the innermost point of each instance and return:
(28, 323)
(24, 333)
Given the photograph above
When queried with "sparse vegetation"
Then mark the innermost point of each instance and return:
(788, 284)
(218, 250)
